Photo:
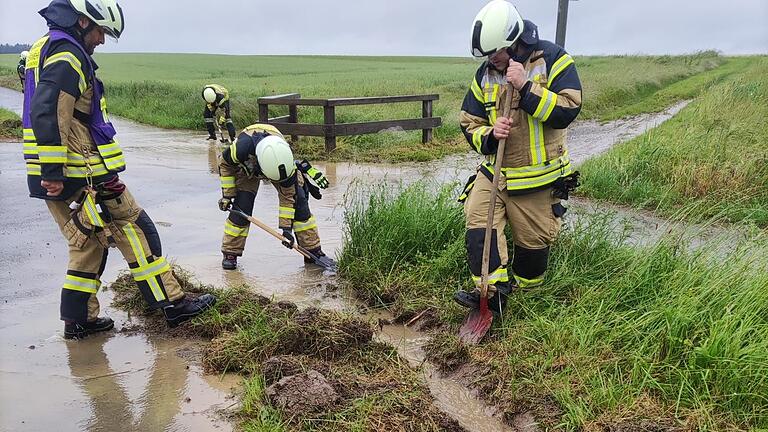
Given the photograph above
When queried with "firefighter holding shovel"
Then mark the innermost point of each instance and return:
(261, 152)
(520, 102)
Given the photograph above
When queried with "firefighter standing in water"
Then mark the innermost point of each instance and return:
(73, 161)
(261, 152)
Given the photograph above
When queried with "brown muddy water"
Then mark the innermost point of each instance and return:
(122, 381)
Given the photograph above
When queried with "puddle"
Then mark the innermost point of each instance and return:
(131, 382)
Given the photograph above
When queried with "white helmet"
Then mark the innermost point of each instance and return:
(23, 55)
(209, 94)
(105, 13)
(275, 158)
(496, 26)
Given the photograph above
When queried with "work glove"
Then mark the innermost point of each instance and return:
(225, 203)
(316, 175)
(288, 242)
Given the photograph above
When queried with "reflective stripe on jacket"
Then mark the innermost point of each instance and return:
(536, 154)
(67, 133)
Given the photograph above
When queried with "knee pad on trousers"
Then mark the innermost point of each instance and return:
(150, 233)
(530, 263)
(301, 203)
(74, 304)
(475, 238)
(244, 201)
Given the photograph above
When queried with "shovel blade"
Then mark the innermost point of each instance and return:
(477, 324)
(328, 264)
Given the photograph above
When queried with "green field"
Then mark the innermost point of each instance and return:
(711, 160)
(164, 90)
(617, 336)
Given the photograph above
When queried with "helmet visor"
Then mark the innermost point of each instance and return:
(477, 50)
(111, 33)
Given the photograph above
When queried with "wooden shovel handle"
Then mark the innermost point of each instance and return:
(494, 193)
(273, 232)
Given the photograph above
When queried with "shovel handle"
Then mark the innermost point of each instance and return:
(494, 193)
(273, 232)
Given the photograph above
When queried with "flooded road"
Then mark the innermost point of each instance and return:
(121, 381)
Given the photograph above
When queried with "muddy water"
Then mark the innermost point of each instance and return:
(133, 382)
(450, 396)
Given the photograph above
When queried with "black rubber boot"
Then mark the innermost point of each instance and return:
(318, 252)
(229, 262)
(187, 308)
(471, 300)
(79, 331)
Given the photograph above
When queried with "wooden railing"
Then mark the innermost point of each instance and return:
(289, 124)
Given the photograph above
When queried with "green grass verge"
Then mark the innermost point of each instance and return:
(616, 337)
(713, 153)
(10, 125)
(164, 90)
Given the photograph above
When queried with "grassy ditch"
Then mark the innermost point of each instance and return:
(661, 337)
(304, 370)
(10, 125)
(164, 90)
(714, 153)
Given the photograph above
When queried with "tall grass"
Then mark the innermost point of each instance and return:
(164, 90)
(713, 152)
(613, 328)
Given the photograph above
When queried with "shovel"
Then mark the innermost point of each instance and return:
(479, 321)
(322, 261)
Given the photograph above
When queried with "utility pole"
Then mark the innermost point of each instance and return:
(562, 22)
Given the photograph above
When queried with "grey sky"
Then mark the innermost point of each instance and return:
(411, 27)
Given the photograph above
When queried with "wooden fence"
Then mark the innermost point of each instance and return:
(289, 124)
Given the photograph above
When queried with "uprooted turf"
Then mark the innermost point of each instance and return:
(305, 369)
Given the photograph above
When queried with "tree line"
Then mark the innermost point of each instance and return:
(14, 49)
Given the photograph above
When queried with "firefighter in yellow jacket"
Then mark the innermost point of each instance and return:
(217, 97)
(73, 161)
(546, 98)
(261, 152)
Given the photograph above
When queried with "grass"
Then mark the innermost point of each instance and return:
(662, 337)
(273, 344)
(713, 153)
(10, 125)
(164, 90)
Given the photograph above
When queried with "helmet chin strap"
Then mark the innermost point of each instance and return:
(84, 31)
(527, 50)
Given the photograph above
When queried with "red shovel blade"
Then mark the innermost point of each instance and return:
(477, 324)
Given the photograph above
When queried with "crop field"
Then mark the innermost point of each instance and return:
(164, 90)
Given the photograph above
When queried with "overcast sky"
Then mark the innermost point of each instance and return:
(411, 27)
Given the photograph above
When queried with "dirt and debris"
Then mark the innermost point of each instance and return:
(308, 392)
(446, 352)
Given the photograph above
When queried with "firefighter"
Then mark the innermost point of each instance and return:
(536, 169)
(73, 162)
(217, 97)
(261, 152)
(21, 67)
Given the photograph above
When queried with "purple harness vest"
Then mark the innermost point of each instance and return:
(101, 130)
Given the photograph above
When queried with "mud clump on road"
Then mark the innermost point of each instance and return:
(308, 392)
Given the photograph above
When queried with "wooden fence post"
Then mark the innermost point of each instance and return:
(293, 117)
(263, 113)
(329, 115)
(426, 111)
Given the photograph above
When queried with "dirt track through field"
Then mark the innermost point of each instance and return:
(130, 381)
